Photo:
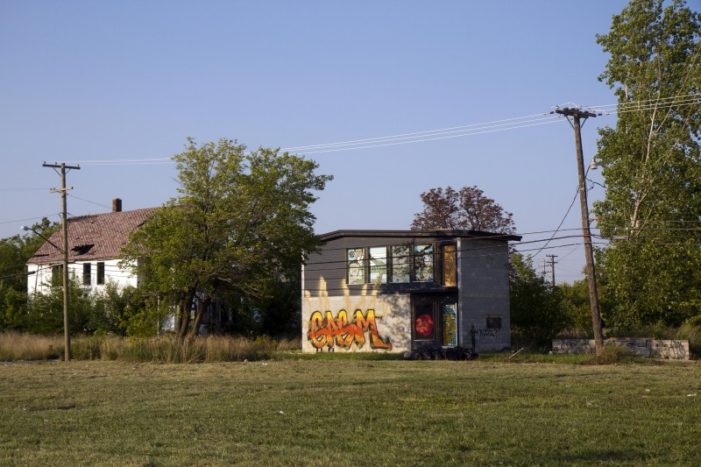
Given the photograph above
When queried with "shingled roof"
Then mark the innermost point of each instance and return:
(93, 237)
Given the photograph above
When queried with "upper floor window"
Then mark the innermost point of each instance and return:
(401, 264)
(423, 263)
(378, 265)
(356, 266)
(450, 265)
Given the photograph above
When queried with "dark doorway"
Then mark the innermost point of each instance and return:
(434, 320)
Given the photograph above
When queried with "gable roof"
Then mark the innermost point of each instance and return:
(445, 233)
(93, 237)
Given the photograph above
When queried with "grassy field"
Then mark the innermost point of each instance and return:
(349, 412)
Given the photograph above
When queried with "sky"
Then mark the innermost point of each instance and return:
(84, 81)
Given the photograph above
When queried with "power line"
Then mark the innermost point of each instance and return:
(506, 124)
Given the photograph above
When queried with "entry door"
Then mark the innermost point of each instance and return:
(435, 319)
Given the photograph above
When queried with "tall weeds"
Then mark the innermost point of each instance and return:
(164, 349)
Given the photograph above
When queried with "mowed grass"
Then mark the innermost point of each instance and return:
(349, 412)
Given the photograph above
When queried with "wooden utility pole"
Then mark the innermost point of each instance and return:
(575, 117)
(64, 220)
(552, 266)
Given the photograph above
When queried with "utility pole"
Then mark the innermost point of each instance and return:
(552, 266)
(64, 220)
(574, 117)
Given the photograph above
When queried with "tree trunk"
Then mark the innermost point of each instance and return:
(184, 311)
(199, 313)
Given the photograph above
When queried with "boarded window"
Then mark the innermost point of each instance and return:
(356, 265)
(494, 323)
(450, 261)
(100, 273)
(423, 263)
(401, 263)
(87, 273)
(378, 265)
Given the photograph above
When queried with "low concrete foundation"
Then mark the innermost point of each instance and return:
(645, 347)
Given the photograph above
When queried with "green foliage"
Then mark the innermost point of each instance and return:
(537, 312)
(652, 165)
(45, 312)
(575, 303)
(240, 226)
(691, 331)
(14, 253)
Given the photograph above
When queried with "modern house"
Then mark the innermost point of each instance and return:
(398, 290)
(94, 244)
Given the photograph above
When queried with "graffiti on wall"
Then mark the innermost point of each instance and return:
(327, 331)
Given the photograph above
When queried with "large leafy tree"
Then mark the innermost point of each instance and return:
(468, 209)
(652, 164)
(240, 225)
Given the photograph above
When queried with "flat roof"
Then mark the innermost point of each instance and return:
(419, 234)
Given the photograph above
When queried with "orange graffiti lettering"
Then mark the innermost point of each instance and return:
(329, 331)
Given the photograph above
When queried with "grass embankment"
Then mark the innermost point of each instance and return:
(300, 412)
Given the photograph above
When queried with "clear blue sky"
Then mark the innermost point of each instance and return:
(83, 80)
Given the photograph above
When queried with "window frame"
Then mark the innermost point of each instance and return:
(87, 274)
(100, 279)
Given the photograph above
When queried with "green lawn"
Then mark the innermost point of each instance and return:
(349, 412)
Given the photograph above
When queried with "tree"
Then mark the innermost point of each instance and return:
(14, 253)
(467, 209)
(652, 165)
(241, 222)
(537, 311)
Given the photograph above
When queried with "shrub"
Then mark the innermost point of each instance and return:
(691, 331)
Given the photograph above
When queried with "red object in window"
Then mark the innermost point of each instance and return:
(424, 325)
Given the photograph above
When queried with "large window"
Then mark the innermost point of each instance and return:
(450, 265)
(356, 266)
(378, 265)
(401, 263)
(423, 263)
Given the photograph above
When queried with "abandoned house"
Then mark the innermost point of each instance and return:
(398, 290)
(94, 244)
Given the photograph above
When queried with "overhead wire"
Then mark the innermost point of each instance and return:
(506, 124)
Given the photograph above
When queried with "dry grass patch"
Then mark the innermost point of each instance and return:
(15, 346)
(162, 349)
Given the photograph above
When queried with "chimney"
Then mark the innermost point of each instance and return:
(117, 205)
